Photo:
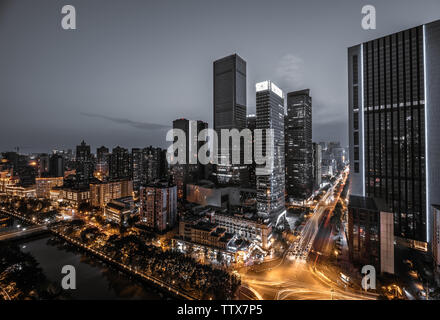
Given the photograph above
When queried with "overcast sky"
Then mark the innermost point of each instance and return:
(132, 67)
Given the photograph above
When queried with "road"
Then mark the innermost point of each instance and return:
(297, 278)
(301, 249)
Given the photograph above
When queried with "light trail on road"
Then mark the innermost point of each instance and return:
(297, 280)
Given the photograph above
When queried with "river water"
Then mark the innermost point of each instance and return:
(94, 279)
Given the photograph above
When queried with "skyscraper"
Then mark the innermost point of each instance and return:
(317, 165)
(252, 125)
(230, 113)
(299, 149)
(394, 93)
(270, 115)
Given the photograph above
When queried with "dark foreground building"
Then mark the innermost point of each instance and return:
(299, 147)
(230, 113)
(394, 112)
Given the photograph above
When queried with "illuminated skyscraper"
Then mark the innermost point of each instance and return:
(270, 115)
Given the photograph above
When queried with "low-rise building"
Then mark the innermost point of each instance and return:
(119, 210)
(247, 226)
(21, 192)
(370, 233)
(7, 180)
(205, 193)
(211, 235)
(75, 196)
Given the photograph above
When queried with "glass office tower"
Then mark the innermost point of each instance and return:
(394, 96)
(230, 113)
(270, 115)
(299, 147)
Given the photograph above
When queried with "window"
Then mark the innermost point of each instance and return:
(356, 167)
(355, 97)
(356, 121)
(355, 69)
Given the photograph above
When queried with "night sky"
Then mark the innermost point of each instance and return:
(132, 67)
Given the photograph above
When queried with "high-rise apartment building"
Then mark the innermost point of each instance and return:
(158, 205)
(102, 161)
(137, 169)
(120, 164)
(230, 113)
(394, 92)
(270, 116)
(299, 149)
(84, 163)
(154, 164)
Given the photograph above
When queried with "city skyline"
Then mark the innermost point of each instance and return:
(99, 81)
(200, 151)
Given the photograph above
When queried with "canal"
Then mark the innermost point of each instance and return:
(94, 279)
